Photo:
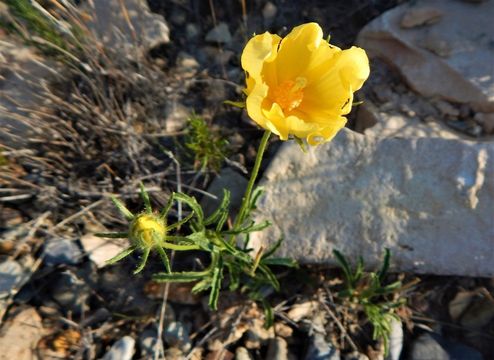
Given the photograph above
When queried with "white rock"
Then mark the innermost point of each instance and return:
(123, 349)
(146, 29)
(102, 249)
(465, 76)
(429, 200)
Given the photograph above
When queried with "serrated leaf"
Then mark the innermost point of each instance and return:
(221, 210)
(202, 285)
(179, 276)
(216, 283)
(192, 203)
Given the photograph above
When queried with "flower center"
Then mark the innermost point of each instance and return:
(289, 94)
(144, 228)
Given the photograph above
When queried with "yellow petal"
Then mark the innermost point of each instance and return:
(354, 67)
(327, 133)
(296, 50)
(259, 49)
(284, 125)
(254, 103)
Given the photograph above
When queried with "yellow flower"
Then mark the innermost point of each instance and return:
(145, 228)
(301, 85)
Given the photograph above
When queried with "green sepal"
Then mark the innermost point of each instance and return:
(120, 255)
(145, 199)
(238, 104)
(123, 210)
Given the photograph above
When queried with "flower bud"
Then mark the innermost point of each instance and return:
(145, 228)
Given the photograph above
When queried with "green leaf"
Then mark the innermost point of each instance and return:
(181, 222)
(273, 248)
(280, 262)
(166, 209)
(385, 266)
(270, 276)
(345, 267)
(123, 210)
(256, 195)
(234, 272)
(120, 255)
(301, 143)
(115, 235)
(216, 283)
(144, 259)
(179, 276)
(192, 203)
(268, 314)
(221, 210)
(202, 285)
(145, 199)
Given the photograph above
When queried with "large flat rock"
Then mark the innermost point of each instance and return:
(429, 200)
(442, 48)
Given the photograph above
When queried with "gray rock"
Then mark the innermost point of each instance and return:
(13, 275)
(176, 335)
(22, 71)
(219, 34)
(465, 75)
(320, 349)
(429, 200)
(192, 31)
(147, 342)
(226, 179)
(70, 292)
(123, 349)
(62, 251)
(146, 29)
(433, 346)
(269, 11)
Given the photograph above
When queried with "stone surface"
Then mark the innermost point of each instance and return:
(176, 335)
(22, 71)
(145, 30)
(433, 346)
(70, 292)
(123, 349)
(429, 200)
(277, 349)
(219, 34)
(320, 349)
(465, 75)
(20, 335)
(13, 275)
(62, 251)
(230, 180)
(102, 249)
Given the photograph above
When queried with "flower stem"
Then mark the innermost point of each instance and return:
(253, 176)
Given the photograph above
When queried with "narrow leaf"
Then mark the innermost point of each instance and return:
(216, 284)
(145, 199)
(120, 255)
(178, 276)
(238, 104)
(202, 285)
(385, 265)
(123, 210)
(344, 265)
(192, 203)
(281, 262)
(144, 259)
(115, 235)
